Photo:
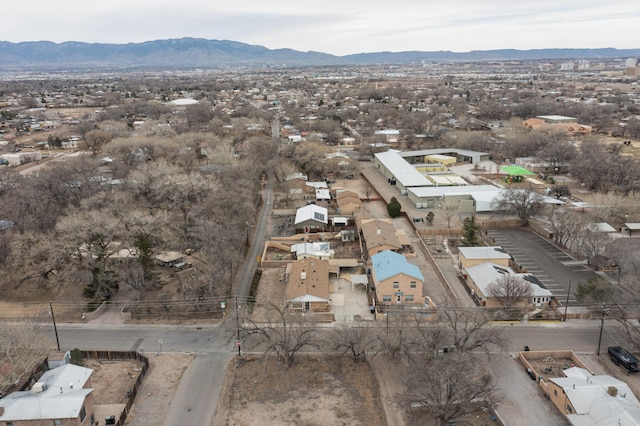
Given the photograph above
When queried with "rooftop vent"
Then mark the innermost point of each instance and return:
(612, 390)
(39, 387)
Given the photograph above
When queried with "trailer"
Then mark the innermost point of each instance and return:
(620, 356)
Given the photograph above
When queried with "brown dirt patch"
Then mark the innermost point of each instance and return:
(158, 388)
(112, 379)
(312, 392)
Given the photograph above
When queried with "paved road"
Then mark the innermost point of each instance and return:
(581, 336)
(553, 267)
(199, 391)
(259, 239)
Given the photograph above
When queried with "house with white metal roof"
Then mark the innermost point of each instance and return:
(311, 217)
(317, 250)
(594, 400)
(481, 277)
(62, 395)
(471, 256)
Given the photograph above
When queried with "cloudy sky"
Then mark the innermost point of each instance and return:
(333, 26)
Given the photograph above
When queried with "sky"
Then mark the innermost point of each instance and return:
(339, 27)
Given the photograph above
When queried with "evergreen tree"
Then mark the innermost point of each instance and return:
(394, 207)
(470, 232)
(430, 217)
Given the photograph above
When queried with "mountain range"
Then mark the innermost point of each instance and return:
(188, 53)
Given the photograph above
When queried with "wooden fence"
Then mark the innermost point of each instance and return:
(120, 356)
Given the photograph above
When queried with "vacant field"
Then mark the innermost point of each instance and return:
(312, 392)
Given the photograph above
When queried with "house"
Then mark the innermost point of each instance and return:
(559, 122)
(587, 399)
(378, 235)
(308, 285)
(62, 396)
(311, 218)
(396, 280)
(348, 202)
(480, 278)
(296, 184)
(171, 259)
(319, 250)
(313, 187)
(471, 256)
(632, 229)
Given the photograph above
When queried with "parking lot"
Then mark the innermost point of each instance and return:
(551, 266)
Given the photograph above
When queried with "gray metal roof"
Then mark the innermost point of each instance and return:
(404, 172)
(62, 399)
(457, 151)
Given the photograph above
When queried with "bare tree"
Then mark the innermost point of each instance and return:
(96, 139)
(397, 338)
(449, 387)
(23, 345)
(564, 225)
(368, 190)
(520, 202)
(281, 333)
(593, 243)
(355, 341)
(556, 151)
(471, 328)
(510, 289)
(449, 207)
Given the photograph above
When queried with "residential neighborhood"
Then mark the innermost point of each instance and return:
(399, 222)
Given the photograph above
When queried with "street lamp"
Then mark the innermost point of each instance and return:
(55, 328)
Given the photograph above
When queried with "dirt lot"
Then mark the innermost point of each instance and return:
(313, 392)
(112, 379)
(158, 388)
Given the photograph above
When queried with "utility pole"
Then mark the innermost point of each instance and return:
(238, 328)
(55, 328)
(566, 305)
(604, 310)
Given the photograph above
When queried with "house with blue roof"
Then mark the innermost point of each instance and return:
(397, 281)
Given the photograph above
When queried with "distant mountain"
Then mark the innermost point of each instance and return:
(188, 53)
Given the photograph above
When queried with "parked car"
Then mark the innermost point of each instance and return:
(620, 356)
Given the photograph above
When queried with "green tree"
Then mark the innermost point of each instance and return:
(394, 208)
(470, 232)
(76, 357)
(594, 290)
(430, 217)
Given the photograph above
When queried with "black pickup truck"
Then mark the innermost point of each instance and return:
(620, 356)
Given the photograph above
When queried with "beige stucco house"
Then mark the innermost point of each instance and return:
(378, 235)
(397, 281)
(308, 285)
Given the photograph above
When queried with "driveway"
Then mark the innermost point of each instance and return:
(523, 402)
(554, 268)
